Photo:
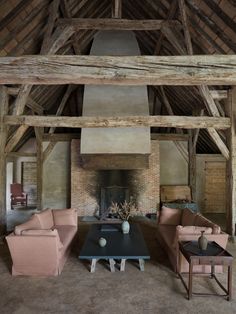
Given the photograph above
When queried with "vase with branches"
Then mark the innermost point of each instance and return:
(124, 211)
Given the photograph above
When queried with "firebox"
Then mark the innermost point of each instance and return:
(112, 194)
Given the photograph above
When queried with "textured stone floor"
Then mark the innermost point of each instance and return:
(157, 290)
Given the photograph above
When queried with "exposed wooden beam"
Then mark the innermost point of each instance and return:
(128, 70)
(209, 101)
(14, 140)
(192, 165)
(25, 89)
(196, 133)
(22, 99)
(66, 137)
(21, 154)
(47, 151)
(117, 24)
(51, 145)
(31, 103)
(67, 14)
(36, 107)
(116, 9)
(50, 26)
(220, 108)
(3, 138)
(59, 38)
(219, 142)
(231, 165)
(169, 137)
(61, 107)
(172, 38)
(219, 94)
(203, 89)
(60, 137)
(185, 122)
(180, 146)
(170, 15)
(185, 26)
(39, 150)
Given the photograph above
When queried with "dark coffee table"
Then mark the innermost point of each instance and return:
(119, 246)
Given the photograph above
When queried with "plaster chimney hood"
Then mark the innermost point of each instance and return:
(115, 148)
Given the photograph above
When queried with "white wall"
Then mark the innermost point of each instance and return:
(56, 177)
(56, 173)
(173, 166)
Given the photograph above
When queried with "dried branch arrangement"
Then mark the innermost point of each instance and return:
(124, 210)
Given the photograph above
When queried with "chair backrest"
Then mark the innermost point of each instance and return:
(16, 189)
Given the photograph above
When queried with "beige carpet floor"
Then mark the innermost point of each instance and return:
(76, 290)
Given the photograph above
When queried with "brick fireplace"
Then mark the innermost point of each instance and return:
(93, 189)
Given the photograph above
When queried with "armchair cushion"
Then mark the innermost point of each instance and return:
(188, 217)
(170, 216)
(65, 217)
(33, 223)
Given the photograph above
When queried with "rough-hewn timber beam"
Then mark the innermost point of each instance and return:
(170, 15)
(65, 137)
(117, 24)
(219, 142)
(185, 122)
(230, 166)
(219, 94)
(16, 138)
(116, 10)
(4, 104)
(128, 70)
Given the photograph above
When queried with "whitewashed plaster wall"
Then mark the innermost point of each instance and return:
(56, 177)
(173, 167)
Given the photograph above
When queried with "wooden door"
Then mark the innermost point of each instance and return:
(215, 187)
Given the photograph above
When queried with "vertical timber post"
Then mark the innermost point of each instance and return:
(192, 165)
(231, 164)
(39, 146)
(116, 9)
(3, 139)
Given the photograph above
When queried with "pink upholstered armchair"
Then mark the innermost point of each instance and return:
(18, 195)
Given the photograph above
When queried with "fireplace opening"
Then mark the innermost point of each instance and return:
(114, 189)
(110, 195)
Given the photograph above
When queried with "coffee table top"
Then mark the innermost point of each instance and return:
(119, 245)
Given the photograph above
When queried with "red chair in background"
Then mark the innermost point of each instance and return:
(18, 195)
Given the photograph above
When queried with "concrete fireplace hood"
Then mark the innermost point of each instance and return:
(115, 148)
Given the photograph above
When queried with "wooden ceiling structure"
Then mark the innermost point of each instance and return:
(188, 61)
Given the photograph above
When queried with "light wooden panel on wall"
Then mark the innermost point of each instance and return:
(175, 192)
(215, 187)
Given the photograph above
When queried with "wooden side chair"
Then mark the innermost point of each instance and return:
(18, 195)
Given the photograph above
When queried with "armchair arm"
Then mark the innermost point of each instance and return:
(33, 255)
